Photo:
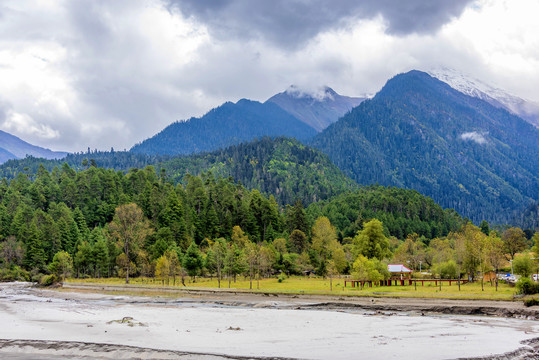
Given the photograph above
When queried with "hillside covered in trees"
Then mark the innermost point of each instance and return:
(403, 212)
(79, 215)
(419, 133)
(228, 124)
(280, 166)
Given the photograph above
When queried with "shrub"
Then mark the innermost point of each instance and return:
(531, 302)
(14, 274)
(526, 286)
(449, 270)
(523, 265)
(281, 278)
(446, 270)
(48, 280)
(36, 278)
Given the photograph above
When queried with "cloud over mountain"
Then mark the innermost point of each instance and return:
(474, 136)
(111, 73)
(292, 22)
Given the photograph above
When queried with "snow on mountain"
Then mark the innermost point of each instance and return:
(317, 107)
(526, 109)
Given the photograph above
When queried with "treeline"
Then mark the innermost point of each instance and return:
(100, 223)
(472, 251)
(279, 166)
(117, 160)
(66, 210)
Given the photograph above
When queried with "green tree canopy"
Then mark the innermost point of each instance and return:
(514, 241)
(365, 269)
(130, 228)
(371, 241)
(61, 265)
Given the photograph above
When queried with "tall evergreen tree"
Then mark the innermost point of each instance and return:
(192, 260)
(35, 255)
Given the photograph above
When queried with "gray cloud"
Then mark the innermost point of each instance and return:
(112, 73)
(293, 22)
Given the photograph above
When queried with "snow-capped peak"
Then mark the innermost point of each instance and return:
(468, 85)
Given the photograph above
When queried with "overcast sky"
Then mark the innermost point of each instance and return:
(108, 74)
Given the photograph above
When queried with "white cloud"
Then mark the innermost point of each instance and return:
(474, 136)
(503, 36)
(24, 124)
(112, 73)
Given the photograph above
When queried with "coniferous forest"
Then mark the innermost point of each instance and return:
(101, 222)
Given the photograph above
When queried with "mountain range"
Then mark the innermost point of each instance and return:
(293, 113)
(11, 147)
(420, 133)
(458, 141)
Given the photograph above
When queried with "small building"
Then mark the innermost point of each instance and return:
(399, 271)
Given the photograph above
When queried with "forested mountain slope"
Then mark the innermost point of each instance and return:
(5, 156)
(420, 133)
(402, 211)
(228, 124)
(281, 167)
(526, 109)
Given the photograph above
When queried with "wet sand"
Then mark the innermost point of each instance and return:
(39, 323)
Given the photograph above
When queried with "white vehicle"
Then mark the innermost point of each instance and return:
(507, 277)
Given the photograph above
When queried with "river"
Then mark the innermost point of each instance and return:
(47, 324)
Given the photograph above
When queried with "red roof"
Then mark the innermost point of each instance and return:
(398, 268)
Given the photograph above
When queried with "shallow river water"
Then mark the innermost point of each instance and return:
(245, 331)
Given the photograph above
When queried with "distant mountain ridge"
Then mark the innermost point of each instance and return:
(319, 108)
(420, 133)
(228, 124)
(527, 110)
(11, 147)
(5, 156)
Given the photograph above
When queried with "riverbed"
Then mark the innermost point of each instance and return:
(47, 324)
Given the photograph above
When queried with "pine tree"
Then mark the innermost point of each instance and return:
(35, 255)
(100, 253)
(192, 261)
(484, 227)
(64, 234)
(80, 221)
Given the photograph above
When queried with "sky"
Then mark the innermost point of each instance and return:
(102, 74)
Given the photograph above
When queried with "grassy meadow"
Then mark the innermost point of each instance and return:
(321, 286)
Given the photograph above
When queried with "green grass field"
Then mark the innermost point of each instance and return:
(307, 285)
